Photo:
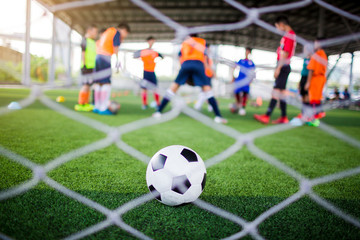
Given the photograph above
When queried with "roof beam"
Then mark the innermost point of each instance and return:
(75, 4)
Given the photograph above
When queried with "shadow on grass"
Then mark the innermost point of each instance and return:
(344, 121)
(307, 220)
(47, 214)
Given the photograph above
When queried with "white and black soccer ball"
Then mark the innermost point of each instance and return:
(176, 175)
(114, 107)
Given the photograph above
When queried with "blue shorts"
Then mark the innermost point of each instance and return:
(192, 69)
(103, 63)
(209, 80)
(239, 88)
(150, 77)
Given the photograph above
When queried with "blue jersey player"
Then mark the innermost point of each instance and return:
(242, 82)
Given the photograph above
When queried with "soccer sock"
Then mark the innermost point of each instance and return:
(237, 98)
(305, 109)
(319, 108)
(316, 107)
(271, 107)
(244, 99)
(83, 97)
(144, 97)
(168, 96)
(157, 98)
(96, 88)
(105, 92)
(200, 101)
(283, 108)
(212, 101)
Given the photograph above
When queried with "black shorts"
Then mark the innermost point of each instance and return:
(87, 76)
(303, 81)
(150, 81)
(281, 80)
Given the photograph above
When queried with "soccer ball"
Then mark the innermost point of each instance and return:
(60, 99)
(176, 175)
(233, 108)
(114, 107)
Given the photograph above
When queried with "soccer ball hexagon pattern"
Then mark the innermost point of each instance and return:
(176, 175)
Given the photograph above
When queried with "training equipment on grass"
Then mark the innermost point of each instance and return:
(60, 99)
(176, 175)
(14, 106)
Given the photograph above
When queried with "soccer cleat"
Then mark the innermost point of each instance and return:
(314, 123)
(242, 112)
(218, 119)
(281, 120)
(78, 107)
(88, 107)
(210, 109)
(106, 112)
(84, 107)
(156, 115)
(262, 118)
(95, 110)
(144, 107)
(320, 115)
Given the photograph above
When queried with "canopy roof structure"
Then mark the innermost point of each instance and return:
(308, 22)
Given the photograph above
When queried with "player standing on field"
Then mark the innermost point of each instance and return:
(193, 51)
(243, 80)
(316, 82)
(107, 46)
(304, 75)
(88, 55)
(148, 57)
(284, 53)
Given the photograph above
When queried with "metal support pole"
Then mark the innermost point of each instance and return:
(69, 78)
(53, 51)
(351, 84)
(26, 80)
(175, 60)
(333, 68)
(321, 22)
(124, 64)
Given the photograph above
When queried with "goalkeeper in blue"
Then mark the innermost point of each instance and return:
(242, 81)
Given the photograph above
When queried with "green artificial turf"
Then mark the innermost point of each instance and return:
(242, 184)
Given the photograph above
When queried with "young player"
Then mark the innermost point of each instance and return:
(193, 51)
(243, 80)
(107, 46)
(284, 53)
(316, 82)
(304, 75)
(88, 55)
(148, 57)
(209, 73)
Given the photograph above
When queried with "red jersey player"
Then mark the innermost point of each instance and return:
(284, 53)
